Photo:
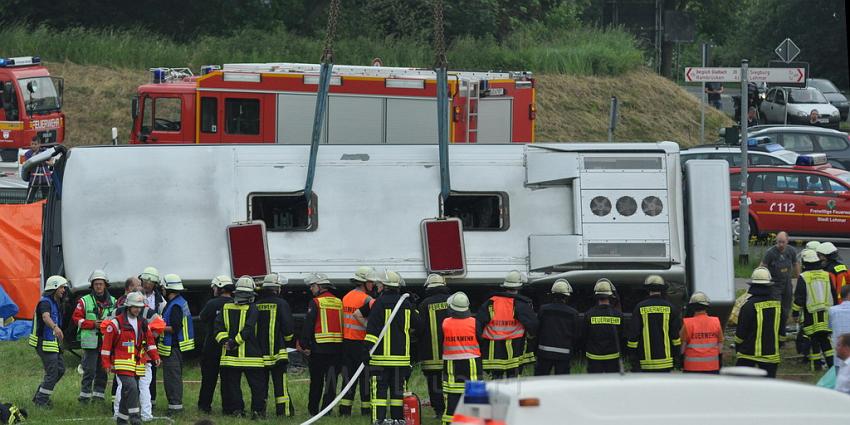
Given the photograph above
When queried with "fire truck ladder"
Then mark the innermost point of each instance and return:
(473, 97)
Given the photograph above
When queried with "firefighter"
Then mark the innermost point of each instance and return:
(154, 300)
(832, 264)
(558, 332)
(460, 351)
(354, 347)
(127, 345)
(655, 325)
(321, 341)
(274, 332)
(603, 332)
(178, 338)
(432, 310)
(390, 362)
(504, 322)
(813, 297)
(156, 324)
(236, 332)
(222, 288)
(47, 336)
(757, 334)
(89, 313)
(702, 338)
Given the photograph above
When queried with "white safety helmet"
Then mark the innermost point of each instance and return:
(699, 298)
(363, 273)
(55, 282)
(172, 282)
(561, 286)
(514, 280)
(274, 280)
(221, 281)
(150, 274)
(826, 248)
(459, 302)
(603, 287)
(99, 275)
(761, 276)
(135, 299)
(810, 256)
(392, 279)
(245, 284)
(320, 279)
(812, 245)
(654, 281)
(434, 280)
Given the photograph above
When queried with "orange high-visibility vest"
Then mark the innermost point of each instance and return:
(840, 276)
(328, 326)
(702, 348)
(502, 325)
(459, 341)
(351, 302)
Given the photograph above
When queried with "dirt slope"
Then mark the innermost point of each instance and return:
(569, 108)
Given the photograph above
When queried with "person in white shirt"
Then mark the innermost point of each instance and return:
(839, 318)
(842, 379)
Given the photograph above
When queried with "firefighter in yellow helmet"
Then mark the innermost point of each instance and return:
(603, 333)
(654, 330)
(757, 334)
(813, 297)
(504, 322)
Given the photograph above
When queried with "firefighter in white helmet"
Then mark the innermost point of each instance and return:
(354, 334)
(603, 332)
(47, 337)
(558, 331)
(90, 311)
(177, 339)
(461, 352)
(702, 338)
(757, 333)
(274, 333)
(432, 310)
(838, 271)
(504, 322)
(321, 341)
(813, 297)
(655, 326)
(222, 289)
(390, 362)
(154, 300)
(236, 332)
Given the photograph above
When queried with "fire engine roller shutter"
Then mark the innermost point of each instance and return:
(442, 244)
(249, 252)
(295, 119)
(494, 120)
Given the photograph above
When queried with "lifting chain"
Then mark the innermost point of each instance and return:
(333, 14)
(439, 36)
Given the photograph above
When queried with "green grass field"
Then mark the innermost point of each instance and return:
(21, 373)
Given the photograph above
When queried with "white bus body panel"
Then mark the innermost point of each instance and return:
(128, 207)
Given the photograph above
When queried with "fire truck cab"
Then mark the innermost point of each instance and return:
(275, 103)
(30, 105)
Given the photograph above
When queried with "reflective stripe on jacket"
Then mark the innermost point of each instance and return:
(41, 335)
(459, 340)
(274, 328)
(703, 336)
(186, 337)
(352, 328)
(92, 311)
(328, 325)
(840, 277)
(432, 311)
(502, 325)
(124, 350)
(238, 322)
(655, 333)
(757, 334)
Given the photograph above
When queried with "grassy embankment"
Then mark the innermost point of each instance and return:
(577, 73)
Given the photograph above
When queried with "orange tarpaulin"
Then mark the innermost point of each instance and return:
(20, 255)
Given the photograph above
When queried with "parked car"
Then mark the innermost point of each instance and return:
(807, 199)
(807, 139)
(806, 106)
(761, 152)
(832, 94)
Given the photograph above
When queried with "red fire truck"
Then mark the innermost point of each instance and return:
(275, 103)
(31, 103)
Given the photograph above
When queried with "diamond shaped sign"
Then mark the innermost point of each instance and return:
(787, 50)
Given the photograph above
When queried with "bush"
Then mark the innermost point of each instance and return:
(556, 47)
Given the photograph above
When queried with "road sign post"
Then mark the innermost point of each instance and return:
(743, 205)
(703, 98)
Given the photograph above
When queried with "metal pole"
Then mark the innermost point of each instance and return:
(744, 207)
(443, 130)
(703, 98)
(612, 119)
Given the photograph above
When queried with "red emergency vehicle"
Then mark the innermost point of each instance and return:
(30, 105)
(810, 198)
(275, 103)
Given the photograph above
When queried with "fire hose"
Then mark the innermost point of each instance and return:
(359, 370)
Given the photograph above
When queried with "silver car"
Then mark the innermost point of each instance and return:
(806, 106)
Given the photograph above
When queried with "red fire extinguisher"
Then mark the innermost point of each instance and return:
(412, 409)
